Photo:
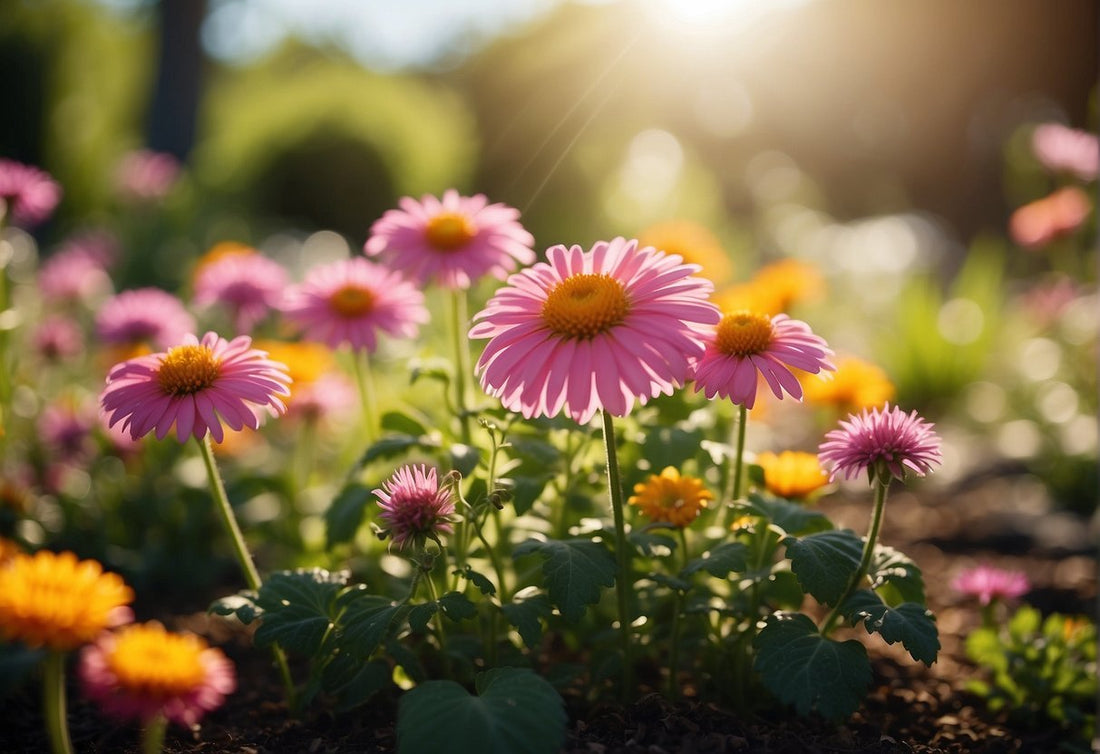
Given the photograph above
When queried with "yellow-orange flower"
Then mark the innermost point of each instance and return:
(856, 385)
(774, 289)
(220, 251)
(305, 361)
(694, 242)
(670, 498)
(56, 601)
(792, 474)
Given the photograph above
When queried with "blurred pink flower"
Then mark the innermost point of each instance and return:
(27, 193)
(592, 330)
(880, 442)
(66, 429)
(143, 316)
(77, 271)
(746, 345)
(351, 301)
(1035, 225)
(57, 338)
(414, 507)
(453, 241)
(989, 583)
(1061, 149)
(328, 395)
(144, 175)
(249, 285)
(1047, 300)
(195, 387)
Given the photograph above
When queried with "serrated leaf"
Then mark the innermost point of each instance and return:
(910, 623)
(825, 562)
(298, 608)
(345, 513)
(719, 561)
(480, 580)
(527, 617)
(896, 571)
(515, 712)
(420, 615)
(680, 585)
(791, 517)
(805, 669)
(366, 620)
(574, 571)
(241, 605)
(457, 606)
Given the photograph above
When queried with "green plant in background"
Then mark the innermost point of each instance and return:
(1041, 672)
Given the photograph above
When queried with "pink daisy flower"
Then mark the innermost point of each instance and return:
(1062, 149)
(351, 300)
(27, 193)
(414, 507)
(593, 330)
(66, 428)
(142, 671)
(988, 583)
(453, 241)
(57, 338)
(76, 272)
(196, 386)
(143, 316)
(747, 344)
(880, 442)
(146, 176)
(249, 285)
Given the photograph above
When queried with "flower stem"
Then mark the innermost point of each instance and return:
(462, 360)
(53, 698)
(623, 581)
(735, 478)
(881, 486)
(365, 384)
(152, 738)
(674, 643)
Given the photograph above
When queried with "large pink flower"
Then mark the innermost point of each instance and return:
(453, 241)
(880, 442)
(414, 507)
(196, 386)
(351, 300)
(747, 344)
(593, 330)
(146, 316)
(27, 193)
(247, 284)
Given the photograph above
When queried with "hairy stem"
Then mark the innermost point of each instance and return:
(881, 486)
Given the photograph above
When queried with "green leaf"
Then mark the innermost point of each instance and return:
(457, 606)
(527, 616)
(420, 615)
(433, 368)
(910, 623)
(803, 668)
(353, 681)
(402, 423)
(464, 458)
(671, 582)
(482, 582)
(652, 545)
(345, 514)
(526, 490)
(893, 574)
(298, 608)
(366, 620)
(825, 562)
(515, 712)
(792, 518)
(395, 445)
(242, 605)
(574, 571)
(720, 561)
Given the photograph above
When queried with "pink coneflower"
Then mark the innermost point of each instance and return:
(147, 316)
(146, 176)
(880, 442)
(249, 285)
(351, 300)
(1069, 150)
(27, 193)
(328, 395)
(75, 273)
(57, 338)
(142, 671)
(747, 344)
(196, 386)
(414, 507)
(989, 583)
(593, 330)
(66, 429)
(453, 241)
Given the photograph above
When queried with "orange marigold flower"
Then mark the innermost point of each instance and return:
(670, 498)
(792, 474)
(856, 385)
(54, 600)
(694, 242)
(774, 289)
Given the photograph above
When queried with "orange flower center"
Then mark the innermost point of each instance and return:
(744, 333)
(585, 305)
(352, 301)
(150, 661)
(186, 370)
(449, 230)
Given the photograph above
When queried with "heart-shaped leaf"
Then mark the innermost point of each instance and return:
(910, 623)
(825, 562)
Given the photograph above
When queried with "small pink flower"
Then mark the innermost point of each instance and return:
(57, 338)
(414, 507)
(76, 272)
(880, 442)
(746, 345)
(453, 241)
(351, 301)
(989, 583)
(592, 330)
(146, 176)
(1036, 224)
(1061, 149)
(146, 316)
(27, 193)
(196, 387)
(66, 428)
(249, 285)
(330, 395)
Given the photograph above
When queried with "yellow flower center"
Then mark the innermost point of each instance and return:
(671, 498)
(150, 661)
(744, 333)
(449, 230)
(186, 370)
(352, 301)
(585, 305)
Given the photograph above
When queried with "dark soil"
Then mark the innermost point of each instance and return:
(911, 708)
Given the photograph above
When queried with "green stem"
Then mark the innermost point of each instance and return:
(623, 581)
(674, 644)
(53, 698)
(881, 487)
(365, 383)
(462, 360)
(734, 477)
(152, 738)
